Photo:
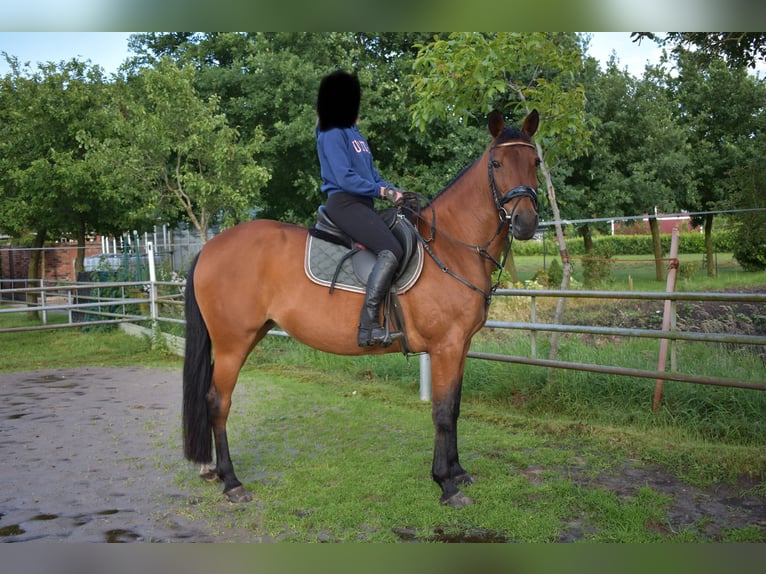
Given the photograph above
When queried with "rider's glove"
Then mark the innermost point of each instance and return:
(393, 195)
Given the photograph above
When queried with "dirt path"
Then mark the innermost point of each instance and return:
(83, 453)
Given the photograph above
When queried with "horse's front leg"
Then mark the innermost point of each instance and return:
(446, 393)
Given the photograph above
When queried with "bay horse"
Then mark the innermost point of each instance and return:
(250, 278)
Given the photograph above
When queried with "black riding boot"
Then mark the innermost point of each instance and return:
(378, 284)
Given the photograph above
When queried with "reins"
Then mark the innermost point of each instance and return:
(505, 218)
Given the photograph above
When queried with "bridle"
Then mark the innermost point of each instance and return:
(518, 193)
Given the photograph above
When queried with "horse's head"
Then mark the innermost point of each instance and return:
(512, 168)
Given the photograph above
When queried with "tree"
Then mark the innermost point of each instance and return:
(750, 226)
(738, 49)
(718, 107)
(181, 151)
(49, 186)
(268, 81)
(644, 152)
(469, 74)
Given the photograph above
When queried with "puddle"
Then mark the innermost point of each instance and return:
(44, 379)
(107, 512)
(12, 530)
(105, 456)
(120, 535)
(439, 534)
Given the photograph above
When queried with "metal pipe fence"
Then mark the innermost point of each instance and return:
(93, 303)
(672, 335)
(157, 302)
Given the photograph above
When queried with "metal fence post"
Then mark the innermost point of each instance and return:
(44, 301)
(425, 377)
(152, 286)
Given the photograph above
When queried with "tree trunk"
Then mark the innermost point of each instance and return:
(79, 262)
(709, 245)
(587, 238)
(510, 267)
(659, 268)
(33, 272)
(565, 261)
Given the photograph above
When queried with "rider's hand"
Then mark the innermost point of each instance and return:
(391, 194)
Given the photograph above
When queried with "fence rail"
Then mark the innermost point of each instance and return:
(92, 303)
(669, 335)
(133, 302)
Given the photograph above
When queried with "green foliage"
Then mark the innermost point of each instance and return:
(182, 147)
(465, 75)
(724, 241)
(240, 107)
(555, 274)
(739, 49)
(48, 183)
(748, 182)
(751, 251)
(597, 266)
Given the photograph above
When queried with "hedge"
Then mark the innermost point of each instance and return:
(615, 245)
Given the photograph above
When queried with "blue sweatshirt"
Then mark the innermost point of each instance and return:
(346, 164)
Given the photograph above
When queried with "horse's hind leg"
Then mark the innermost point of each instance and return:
(225, 372)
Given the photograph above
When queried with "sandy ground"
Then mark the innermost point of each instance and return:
(82, 455)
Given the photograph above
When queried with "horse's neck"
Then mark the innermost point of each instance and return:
(466, 210)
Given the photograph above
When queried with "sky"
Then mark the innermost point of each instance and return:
(107, 49)
(110, 49)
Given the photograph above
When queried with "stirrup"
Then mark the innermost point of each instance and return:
(376, 335)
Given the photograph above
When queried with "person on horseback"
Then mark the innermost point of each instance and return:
(351, 182)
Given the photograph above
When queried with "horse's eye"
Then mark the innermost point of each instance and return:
(496, 164)
(537, 162)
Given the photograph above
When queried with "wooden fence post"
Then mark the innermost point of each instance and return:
(667, 313)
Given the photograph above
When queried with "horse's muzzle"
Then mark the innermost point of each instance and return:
(524, 225)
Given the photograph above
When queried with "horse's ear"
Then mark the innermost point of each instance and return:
(495, 123)
(531, 122)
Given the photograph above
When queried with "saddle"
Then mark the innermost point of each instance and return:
(333, 259)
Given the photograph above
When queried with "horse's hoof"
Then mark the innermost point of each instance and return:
(209, 473)
(238, 494)
(457, 500)
(464, 479)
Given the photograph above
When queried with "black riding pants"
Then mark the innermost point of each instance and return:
(355, 214)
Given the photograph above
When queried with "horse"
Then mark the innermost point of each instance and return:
(250, 278)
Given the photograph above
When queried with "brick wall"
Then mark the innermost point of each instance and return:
(58, 264)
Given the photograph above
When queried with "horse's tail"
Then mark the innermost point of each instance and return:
(197, 375)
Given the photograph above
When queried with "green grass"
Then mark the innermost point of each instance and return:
(640, 270)
(344, 455)
(71, 346)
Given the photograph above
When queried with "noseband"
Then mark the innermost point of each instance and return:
(517, 192)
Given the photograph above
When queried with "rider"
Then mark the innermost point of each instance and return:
(351, 183)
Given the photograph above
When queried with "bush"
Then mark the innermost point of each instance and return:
(619, 245)
(555, 274)
(597, 269)
(750, 253)
(749, 234)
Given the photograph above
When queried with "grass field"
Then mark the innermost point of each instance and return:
(639, 271)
